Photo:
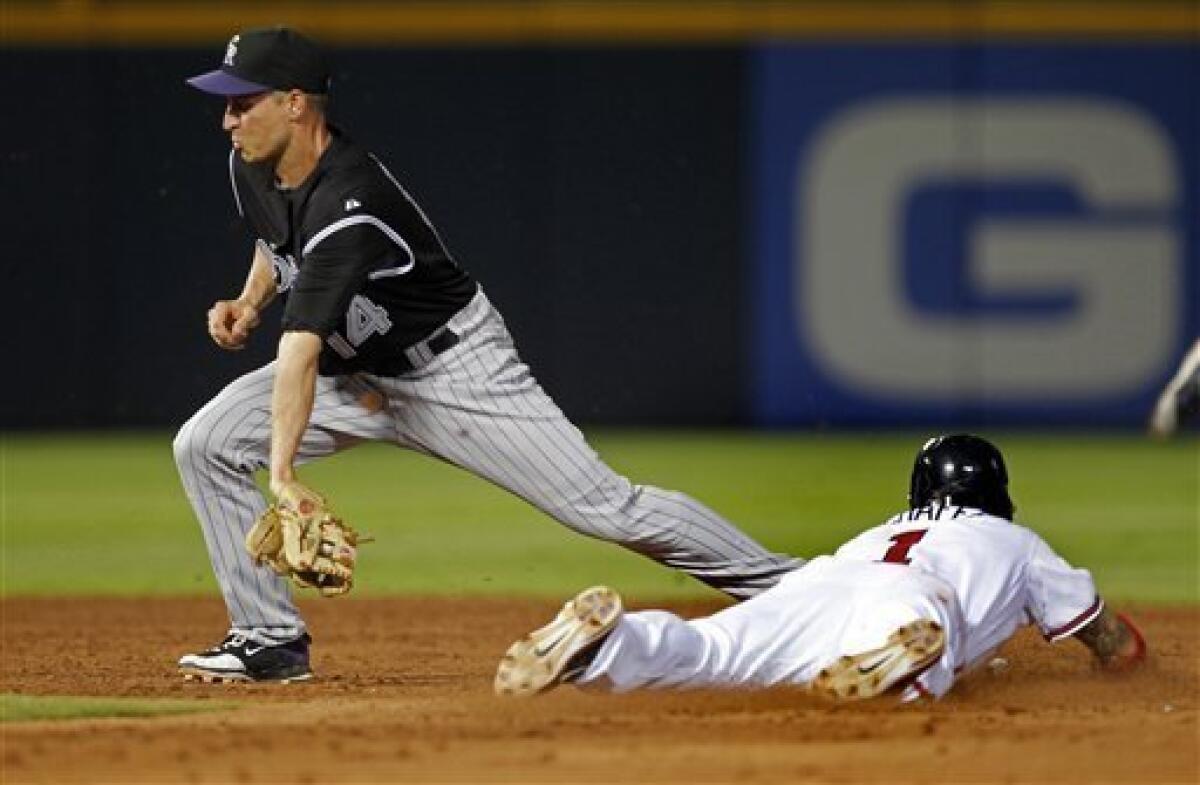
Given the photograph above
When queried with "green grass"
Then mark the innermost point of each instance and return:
(24, 708)
(104, 514)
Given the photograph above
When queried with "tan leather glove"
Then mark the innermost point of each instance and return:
(300, 537)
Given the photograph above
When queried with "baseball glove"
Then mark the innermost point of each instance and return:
(299, 537)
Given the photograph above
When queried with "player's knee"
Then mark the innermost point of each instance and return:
(186, 446)
(594, 510)
(618, 510)
(195, 449)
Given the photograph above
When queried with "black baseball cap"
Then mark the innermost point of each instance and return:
(267, 58)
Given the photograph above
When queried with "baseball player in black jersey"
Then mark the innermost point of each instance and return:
(385, 338)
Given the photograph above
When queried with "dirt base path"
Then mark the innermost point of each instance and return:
(404, 695)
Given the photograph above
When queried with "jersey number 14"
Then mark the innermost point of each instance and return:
(363, 319)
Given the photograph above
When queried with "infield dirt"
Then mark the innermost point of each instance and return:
(404, 695)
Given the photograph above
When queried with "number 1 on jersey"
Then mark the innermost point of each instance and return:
(901, 543)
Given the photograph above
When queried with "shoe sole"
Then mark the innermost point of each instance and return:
(908, 652)
(537, 662)
(213, 677)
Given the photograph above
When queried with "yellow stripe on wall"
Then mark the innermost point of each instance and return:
(68, 22)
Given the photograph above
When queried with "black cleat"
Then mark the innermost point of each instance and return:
(238, 659)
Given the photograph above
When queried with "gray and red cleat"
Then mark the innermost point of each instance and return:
(909, 651)
(562, 649)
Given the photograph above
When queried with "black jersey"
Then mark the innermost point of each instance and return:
(356, 259)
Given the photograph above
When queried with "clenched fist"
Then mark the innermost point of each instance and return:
(230, 323)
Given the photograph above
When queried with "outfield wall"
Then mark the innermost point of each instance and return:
(869, 213)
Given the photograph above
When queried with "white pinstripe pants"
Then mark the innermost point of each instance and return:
(477, 406)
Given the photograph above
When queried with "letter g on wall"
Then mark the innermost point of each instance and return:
(1119, 260)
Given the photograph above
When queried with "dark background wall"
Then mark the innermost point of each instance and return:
(636, 185)
(596, 193)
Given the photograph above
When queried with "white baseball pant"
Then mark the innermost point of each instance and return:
(786, 635)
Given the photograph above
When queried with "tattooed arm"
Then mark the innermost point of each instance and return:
(1117, 644)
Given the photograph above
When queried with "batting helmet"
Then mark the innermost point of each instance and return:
(961, 469)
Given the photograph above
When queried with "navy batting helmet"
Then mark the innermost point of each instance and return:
(964, 470)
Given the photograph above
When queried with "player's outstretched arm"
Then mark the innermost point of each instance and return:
(1116, 642)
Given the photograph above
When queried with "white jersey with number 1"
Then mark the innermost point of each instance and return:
(1004, 575)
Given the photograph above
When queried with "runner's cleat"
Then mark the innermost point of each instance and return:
(909, 651)
(561, 650)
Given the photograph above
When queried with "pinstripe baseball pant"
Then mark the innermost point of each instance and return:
(477, 406)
